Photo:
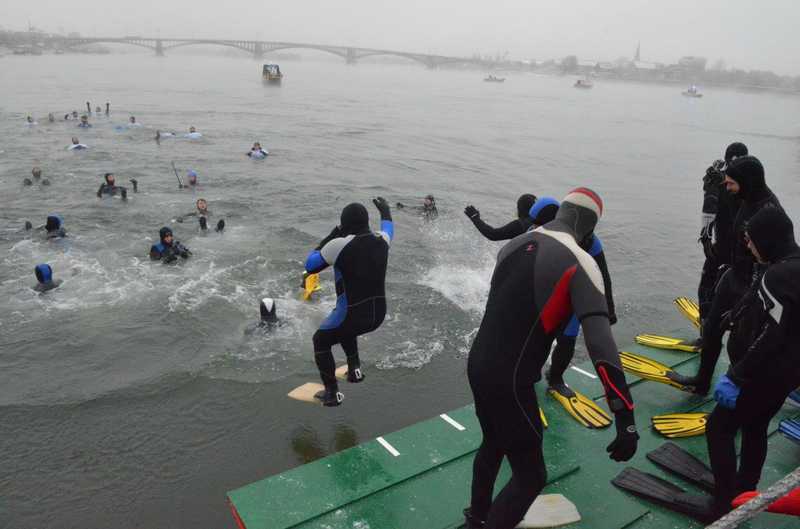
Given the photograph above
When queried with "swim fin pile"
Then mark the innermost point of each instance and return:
(791, 429)
(678, 425)
(688, 308)
(582, 408)
(664, 493)
(650, 369)
(665, 342)
(678, 461)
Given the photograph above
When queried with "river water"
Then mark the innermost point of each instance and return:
(132, 396)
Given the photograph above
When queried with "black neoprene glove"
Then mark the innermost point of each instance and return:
(135, 184)
(335, 233)
(383, 208)
(472, 212)
(623, 447)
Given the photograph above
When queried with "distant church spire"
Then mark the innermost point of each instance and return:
(638, 57)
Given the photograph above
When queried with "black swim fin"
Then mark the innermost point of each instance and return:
(678, 461)
(663, 493)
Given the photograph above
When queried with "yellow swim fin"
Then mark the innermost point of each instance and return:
(665, 342)
(688, 308)
(650, 369)
(310, 285)
(583, 409)
(677, 425)
(542, 417)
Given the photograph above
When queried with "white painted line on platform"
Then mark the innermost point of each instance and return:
(389, 448)
(582, 372)
(451, 422)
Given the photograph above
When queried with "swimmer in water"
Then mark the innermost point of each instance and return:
(191, 179)
(44, 277)
(84, 124)
(269, 317)
(132, 122)
(165, 134)
(98, 110)
(202, 213)
(109, 187)
(36, 173)
(427, 209)
(77, 145)
(29, 121)
(54, 227)
(51, 118)
(168, 250)
(74, 114)
(257, 152)
(193, 134)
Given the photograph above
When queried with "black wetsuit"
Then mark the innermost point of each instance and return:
(734, 283)
(112, 190)
(540, 280)
(359, 259)
(719, 210)
(169, 253)
(770, 367)
(516, 227)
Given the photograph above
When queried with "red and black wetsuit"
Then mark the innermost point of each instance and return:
(541, 278)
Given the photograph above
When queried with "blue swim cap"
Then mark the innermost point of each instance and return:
(54, 222)
(43, 273)
(191, 173)
(544, 210)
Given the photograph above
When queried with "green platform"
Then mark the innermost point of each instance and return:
(422, 479)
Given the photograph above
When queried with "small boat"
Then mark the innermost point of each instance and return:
(584, 83)
(271, 73)
(493, 79)
(692, 92)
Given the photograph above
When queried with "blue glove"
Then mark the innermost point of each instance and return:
(726, 393)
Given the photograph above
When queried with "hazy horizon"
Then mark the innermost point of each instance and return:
(744, 35)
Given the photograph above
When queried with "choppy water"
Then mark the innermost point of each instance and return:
(131, 396)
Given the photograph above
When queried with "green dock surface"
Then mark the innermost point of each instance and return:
(419, 477)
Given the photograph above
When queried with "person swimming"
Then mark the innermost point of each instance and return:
(257, 153)
(202, 213)
(427, 209)
(54, 227)
(36, 173)
(98, 110)
(44, 278)
(193, 134)
(51, 118)
(133, 123)
(168, 249)
(29, 121)
(109, 187)
(84, 124)
(77, 145)
(191, 180)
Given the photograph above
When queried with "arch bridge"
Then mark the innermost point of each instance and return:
(259, 47)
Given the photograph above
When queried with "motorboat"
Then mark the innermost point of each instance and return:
(493, 79)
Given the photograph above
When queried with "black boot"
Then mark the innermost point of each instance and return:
(472, 522)
(330, 396)
(354, 373)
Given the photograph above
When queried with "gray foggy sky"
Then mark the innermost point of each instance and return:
(745, 33)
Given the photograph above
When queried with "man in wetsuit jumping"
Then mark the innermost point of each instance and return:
(359, 258)
(540, 280)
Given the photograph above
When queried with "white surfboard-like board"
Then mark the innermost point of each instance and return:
(550, 510)
(306, 392)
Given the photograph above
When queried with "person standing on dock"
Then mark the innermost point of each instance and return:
(359, 258)
(541, 278)
(756, 386)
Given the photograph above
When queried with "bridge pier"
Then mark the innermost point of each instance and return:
(159, 48)
(258, 51)
(351, 56)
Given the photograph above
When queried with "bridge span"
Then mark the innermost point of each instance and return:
(260, 47)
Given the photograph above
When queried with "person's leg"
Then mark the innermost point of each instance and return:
(484, 474)
(324, 339)
(528, 477)
(705, 290)
(721, 431)
(350, 346)
(725, 297)
(561, 357)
